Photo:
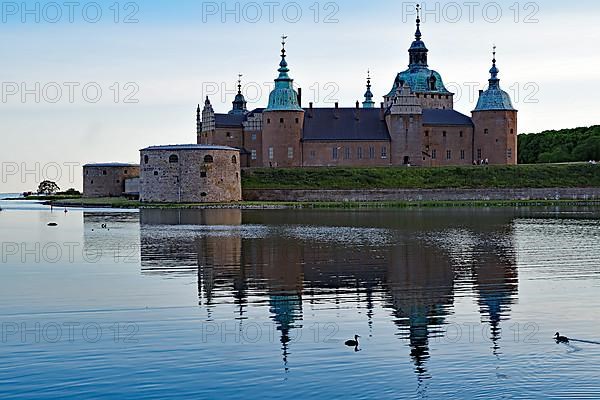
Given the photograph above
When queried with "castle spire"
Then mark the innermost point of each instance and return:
(283, 97)
(494, 71)
(239, 104)
(494, 98)
(418, 32)
(369, 103)
(418, 51)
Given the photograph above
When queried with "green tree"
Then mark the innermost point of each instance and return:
(48, 188)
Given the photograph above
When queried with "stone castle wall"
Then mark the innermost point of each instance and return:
(190, 176)
(414, 195)
(107, 181)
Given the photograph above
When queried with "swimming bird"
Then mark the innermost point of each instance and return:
(561, 339)
(353, 343)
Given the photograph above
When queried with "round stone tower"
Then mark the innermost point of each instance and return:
(283, 122)
(495, 120)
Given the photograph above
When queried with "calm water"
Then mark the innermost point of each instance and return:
(458, 303)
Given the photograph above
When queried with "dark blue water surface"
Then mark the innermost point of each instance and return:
(257, 304)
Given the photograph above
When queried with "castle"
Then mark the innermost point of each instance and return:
(415, 125)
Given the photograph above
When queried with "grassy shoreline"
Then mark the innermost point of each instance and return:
(116, 203)
(535, 176)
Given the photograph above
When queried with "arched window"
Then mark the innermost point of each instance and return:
(234, 160)
(209, 159)
(174, 159)
(145, 159)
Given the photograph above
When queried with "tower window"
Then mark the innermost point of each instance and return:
(486, 131)
(509, 153)
(281, 120)
(271, 153)
(234, 160)
(462, 154)
(254, 155)
(426, 133)
(268, 120)
(104, 172)
(209, 159)
(461, 134)
(174, 159)
(297, 120)
(434, 154)
(290, 153)
(512, 131)
(253, 137)
(444, 134)
(203, 174)
(448, 154)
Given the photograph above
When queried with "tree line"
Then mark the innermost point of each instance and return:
(565, 145)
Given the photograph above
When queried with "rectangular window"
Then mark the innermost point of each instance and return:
(359, 153)
(271, 153)
(254, 155)
(254, 137)
(384, 152)
(509, 153)
(371, 152)
(486, 131)
(479, 154)
(426, 133)
(281, 120)
(461, 134)
(347, 153)
(448, 154)
(290, 153)
(462, 154)
(444, 133)
(335, 153)
(434, 154)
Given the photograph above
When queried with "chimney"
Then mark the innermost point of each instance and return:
(310, 105)
(357, 104)
(337, 105)
(300, 97)
(382, 105)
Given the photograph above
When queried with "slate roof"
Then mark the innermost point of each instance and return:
(229, 120)
(445, 118)
(344, 124)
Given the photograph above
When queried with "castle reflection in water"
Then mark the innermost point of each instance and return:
(415, 263)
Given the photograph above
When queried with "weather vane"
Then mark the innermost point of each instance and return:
(283, 38)
(418, 11)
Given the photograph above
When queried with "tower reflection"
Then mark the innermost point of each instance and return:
(412, 264)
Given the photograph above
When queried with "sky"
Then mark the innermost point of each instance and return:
(96, 81)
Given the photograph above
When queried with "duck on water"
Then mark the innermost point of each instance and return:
(353, 343)
(561, 339)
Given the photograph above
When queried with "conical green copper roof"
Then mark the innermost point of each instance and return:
(494, 98)
(283, 97)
